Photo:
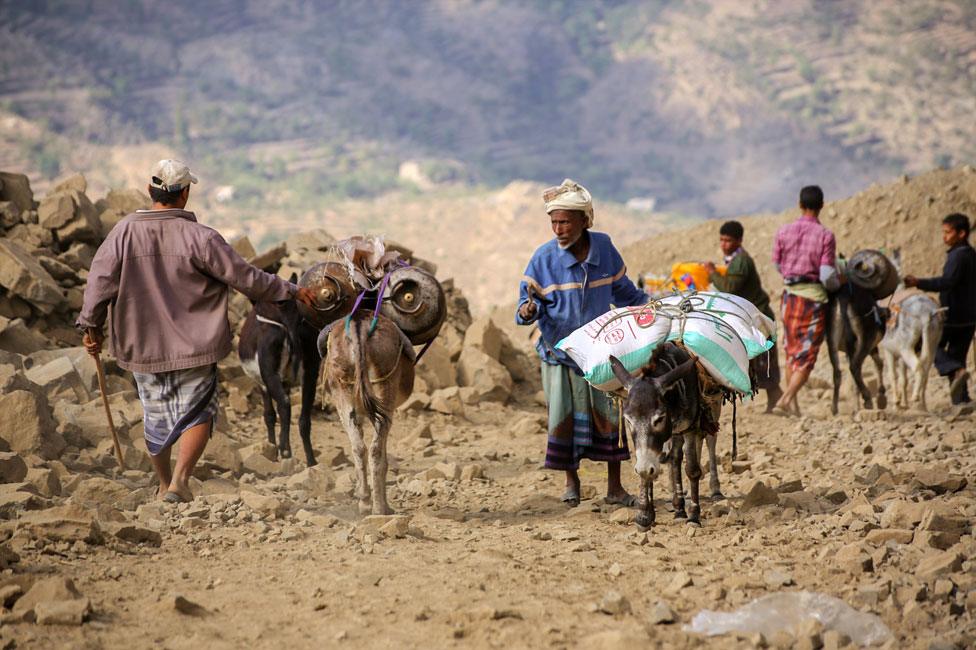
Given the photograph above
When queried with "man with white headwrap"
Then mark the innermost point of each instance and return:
(570, 280)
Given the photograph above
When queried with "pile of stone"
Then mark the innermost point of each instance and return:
(46, 250)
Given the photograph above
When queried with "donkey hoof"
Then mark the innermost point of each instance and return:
(694, 521)
(680, 514)
(644, 521)
(284, 453)
(717, 496)
(365, 507)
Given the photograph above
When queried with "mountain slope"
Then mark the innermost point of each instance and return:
(710, 107)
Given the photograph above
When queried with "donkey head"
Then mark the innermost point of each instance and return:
(646, 410)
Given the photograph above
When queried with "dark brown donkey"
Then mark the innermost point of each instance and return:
(665, 414)
(277, 348)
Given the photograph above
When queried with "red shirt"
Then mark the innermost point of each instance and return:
(802, 247)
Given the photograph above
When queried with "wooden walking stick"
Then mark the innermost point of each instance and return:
(108, 411)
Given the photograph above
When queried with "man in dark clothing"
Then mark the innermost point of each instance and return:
(957, 293)
(742, 279)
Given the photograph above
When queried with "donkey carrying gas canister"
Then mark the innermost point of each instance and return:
(669, 418)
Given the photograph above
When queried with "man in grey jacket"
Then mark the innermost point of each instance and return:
(166, 278)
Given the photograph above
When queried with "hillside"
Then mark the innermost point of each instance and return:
(708, 107)
(905, 214)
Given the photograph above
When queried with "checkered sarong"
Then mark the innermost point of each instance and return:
(175, 401)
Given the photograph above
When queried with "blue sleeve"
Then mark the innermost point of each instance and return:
(531, 274)
(625, 294)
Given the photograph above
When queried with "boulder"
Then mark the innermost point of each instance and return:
(30, 236)
(436, 368)
(486, 375)
(15, 336)
(26, 425)
(14, 307)
(60, 271)
(58, 377)
(939, 481)
(67, 523)
(13, 469)
(74, 183)
(78, 256)
(447, 401)
(23, 275)
(269, 258)
(62, 612)
(125, 200)
(99, 491)
(317, 481)
(222, 455)
(9, 214)
(938, 564)
(47, 590)
(134, 533)
(55, 210)
(85, 226)
(263, 504)
(117, 204)
(15, 499)
(45, 481)
(260, 466)
(902, 514)
(16, 188)
(484, 335)
(759, 495)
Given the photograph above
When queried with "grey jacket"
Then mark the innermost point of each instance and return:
(166, 278)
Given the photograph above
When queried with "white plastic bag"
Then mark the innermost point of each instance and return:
(784, 611)
(628, 333)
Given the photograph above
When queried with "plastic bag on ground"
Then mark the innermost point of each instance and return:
(784, 611)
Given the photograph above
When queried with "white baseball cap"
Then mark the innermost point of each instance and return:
(171, 175)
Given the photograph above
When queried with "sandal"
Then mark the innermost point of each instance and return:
(174, 497)
(571, 497)
(781, 412)
(626, 500)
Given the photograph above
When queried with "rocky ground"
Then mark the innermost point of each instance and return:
(874, 508)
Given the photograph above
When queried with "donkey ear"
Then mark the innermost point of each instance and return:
(621, 373)
(670, 379)
(294, 278)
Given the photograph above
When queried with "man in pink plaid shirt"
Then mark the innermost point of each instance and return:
(805, 255)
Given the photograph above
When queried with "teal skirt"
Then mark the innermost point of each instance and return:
(583, 422)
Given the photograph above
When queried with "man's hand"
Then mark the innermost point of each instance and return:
(528, 310)
(92, 340)
(305, 296)
(709, 266)
(910, 281)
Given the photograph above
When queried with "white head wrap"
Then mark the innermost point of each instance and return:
(570, 196)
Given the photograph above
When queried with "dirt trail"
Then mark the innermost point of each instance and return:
(499, 562)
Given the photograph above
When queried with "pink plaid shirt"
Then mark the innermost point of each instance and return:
(802, 248)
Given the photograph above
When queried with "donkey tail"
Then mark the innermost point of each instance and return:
(364, 390)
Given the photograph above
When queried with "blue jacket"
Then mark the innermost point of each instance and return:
(570, 294)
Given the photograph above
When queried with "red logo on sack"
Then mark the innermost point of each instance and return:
(614, 337)
(644, 317)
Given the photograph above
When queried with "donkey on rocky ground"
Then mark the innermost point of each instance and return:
(277, 349)
(909, 346)
(663, 410)
(855, 326)
(369, 371)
